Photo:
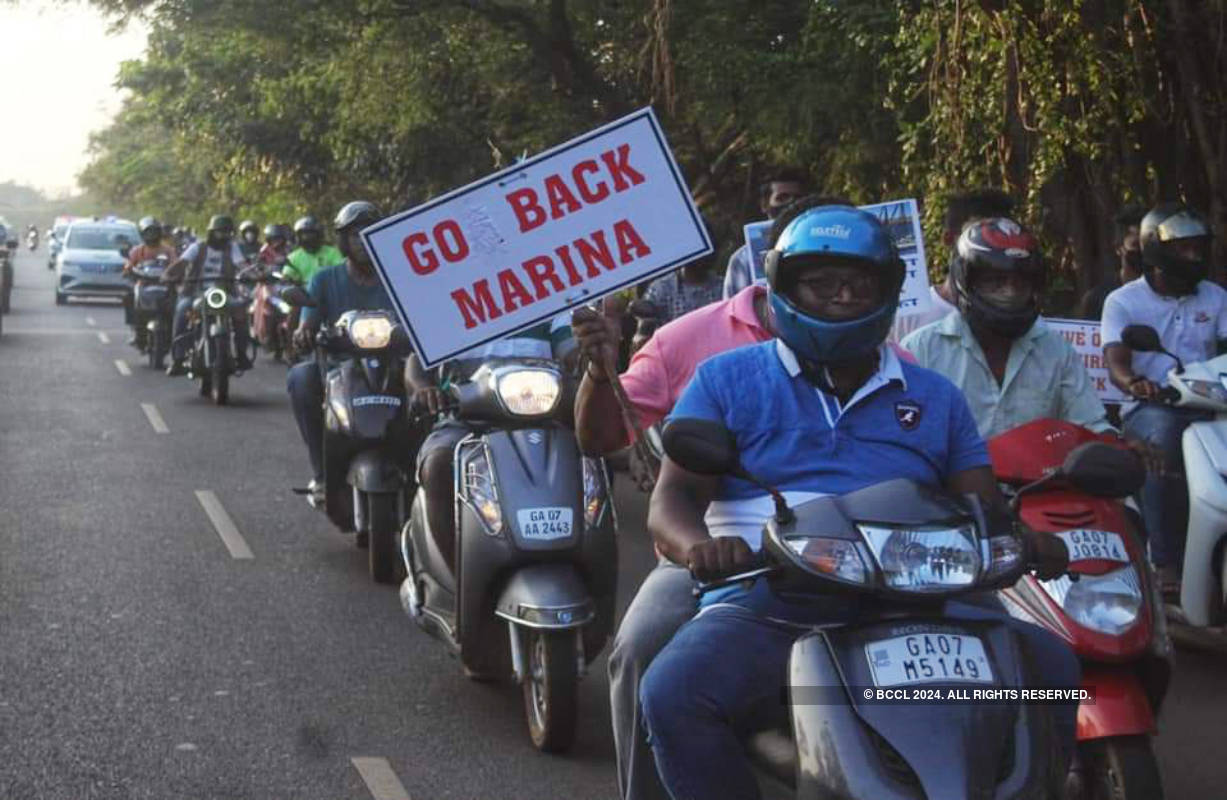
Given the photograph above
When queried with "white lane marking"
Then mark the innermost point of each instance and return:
(379, 778)
(90, 321)
(54, 331)
(102, 337)
(123, 367)
(225, 527)
(155, 418)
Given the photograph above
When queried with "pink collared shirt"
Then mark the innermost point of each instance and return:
(661, 369)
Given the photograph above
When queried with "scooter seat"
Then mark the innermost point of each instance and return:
(773, 752)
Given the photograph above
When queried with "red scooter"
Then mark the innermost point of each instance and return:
(1105, 606)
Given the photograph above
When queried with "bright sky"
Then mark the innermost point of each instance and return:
(58, 67)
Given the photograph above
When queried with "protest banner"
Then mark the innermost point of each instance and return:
(1084, 336)
(604, 211)
(902, 218)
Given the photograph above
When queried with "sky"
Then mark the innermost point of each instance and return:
(58, 65)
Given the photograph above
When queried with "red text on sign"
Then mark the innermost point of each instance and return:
(563, 198)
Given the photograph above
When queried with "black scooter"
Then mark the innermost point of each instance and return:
(903, 550)
(153, 308)
(535, 547)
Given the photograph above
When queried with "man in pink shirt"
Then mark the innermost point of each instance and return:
(653, 382)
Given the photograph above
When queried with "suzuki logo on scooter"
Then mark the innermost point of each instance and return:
(535, 437)
(907, 414)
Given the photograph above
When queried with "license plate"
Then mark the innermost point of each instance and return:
(1086, 545)
(928, 658)
(543, 524)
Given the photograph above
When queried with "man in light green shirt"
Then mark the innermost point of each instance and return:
(312, 255)
(1012, 368)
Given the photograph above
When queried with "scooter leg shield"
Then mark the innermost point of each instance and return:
(1121, 707)
(1201, 591)
(546, 596)
(373, 471)
(850, 747)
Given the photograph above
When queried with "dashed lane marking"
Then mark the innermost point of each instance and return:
(155, 418)
(224, 526)
(379, 778)
(90, 321)
(102, 337)
(123, 367)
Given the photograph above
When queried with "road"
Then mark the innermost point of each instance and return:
(139, 658)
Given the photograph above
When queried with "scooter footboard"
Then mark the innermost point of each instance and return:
(853, 747)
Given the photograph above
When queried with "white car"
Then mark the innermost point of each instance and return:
(91, 260)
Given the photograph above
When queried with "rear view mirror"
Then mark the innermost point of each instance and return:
(1141, 338)
(297, 296)
(1102, 470)
(700, 446)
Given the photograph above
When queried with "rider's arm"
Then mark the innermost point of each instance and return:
(675, 513)
(418, 377)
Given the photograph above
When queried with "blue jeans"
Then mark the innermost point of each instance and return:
(1164, 499)
(306, 390)
(722, 676)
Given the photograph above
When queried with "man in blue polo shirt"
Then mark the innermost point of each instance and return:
(824, 409)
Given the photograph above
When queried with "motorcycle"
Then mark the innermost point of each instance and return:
(211, 330)
(271, 319)
(1108, 608)
(1203, 590)
(535, 549)
(32, 240)
(904, 549)
(153, 308)
(370, 442)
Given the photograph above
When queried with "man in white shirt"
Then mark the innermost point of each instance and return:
(1011, 367)
(1190, 315)
(961, 209)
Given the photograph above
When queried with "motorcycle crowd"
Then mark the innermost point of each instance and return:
(844, 515)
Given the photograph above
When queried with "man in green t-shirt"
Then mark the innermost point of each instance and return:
(312, 254)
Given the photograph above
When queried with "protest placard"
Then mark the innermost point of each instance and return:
(901, 217)
(1084, 336)
(604, 211)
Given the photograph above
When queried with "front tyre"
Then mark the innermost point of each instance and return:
(383, 525)
(221, 378)
(1121, 768)
(551, 688)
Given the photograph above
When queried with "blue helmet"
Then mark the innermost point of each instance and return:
(846, 233)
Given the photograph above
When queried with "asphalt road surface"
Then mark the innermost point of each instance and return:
(140, 658)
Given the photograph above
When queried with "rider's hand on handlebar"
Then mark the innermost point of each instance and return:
(1049, 555)
(432, 398)
(304, 339)
(719, 557)
(1144, 389)
(598, 337)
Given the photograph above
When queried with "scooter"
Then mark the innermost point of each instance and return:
(904, 549)
(1108, 607)
(153, 308)
(1203, 590)
(270, 318)
(32, 240)
(535, 549)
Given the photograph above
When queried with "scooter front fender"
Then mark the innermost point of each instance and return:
(1120, 707)
(373, 471)
(551, 596)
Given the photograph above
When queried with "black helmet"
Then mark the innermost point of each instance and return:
(276, 230)
(1000, 244)
(151, 230)
(248, 225)
(307, 223)
(354, 214)
(1162, 228)
(221, 223)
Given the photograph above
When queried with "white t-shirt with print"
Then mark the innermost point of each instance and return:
(212, 267)
(1188, 326)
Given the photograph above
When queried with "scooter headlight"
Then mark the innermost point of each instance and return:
(1211, 390)
(925, 559)
(832, 558)
(371, 333)
(479, 491)
(1108, 603)
(215, 298)
(595, 493)
(529, 392)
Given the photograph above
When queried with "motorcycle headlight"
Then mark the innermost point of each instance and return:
(1211, 390)
(834, 558)
(1108, 603)
(215, 298)
(371, 333)
(529, 392)
(925, 559)
(480, 492)
(594, 491)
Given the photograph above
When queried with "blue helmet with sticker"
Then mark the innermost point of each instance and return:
(848, 235)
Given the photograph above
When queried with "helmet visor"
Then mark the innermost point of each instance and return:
(1182, 226)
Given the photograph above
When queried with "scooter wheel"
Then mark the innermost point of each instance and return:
(1121, 768)
(551, 688)
(383, 524)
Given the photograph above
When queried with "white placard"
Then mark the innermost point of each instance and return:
(606, 210)
(902, 218)
(1085, 338)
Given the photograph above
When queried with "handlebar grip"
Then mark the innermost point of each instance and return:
(1168, 394)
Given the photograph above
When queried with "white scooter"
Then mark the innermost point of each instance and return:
(1203, 592)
